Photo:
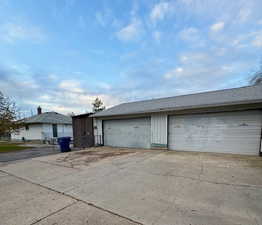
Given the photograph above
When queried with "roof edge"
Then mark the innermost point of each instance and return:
(249, 102)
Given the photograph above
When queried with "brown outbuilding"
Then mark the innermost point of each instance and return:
(83, 130)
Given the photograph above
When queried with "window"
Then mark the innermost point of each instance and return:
(26, 127)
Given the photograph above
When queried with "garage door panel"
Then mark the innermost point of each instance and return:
(133, 133)
(232, 132)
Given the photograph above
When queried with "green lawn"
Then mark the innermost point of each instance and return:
(11, 147)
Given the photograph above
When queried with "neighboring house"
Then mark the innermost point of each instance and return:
(45, 126)
(226, 121)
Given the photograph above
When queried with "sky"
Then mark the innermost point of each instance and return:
(62, 54)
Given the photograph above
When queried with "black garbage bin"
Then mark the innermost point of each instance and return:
(64, 143)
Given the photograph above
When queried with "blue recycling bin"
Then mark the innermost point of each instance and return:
(64, 143)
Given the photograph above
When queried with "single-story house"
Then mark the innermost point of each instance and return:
(224, 121)
(44, 126)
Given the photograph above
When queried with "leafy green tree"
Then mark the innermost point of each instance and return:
(8, 116)
(98, 105)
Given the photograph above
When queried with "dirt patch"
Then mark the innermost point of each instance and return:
(86, 157)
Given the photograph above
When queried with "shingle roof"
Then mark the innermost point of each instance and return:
(49, 117)
(243, 95)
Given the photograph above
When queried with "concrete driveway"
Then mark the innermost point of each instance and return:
(114, 186)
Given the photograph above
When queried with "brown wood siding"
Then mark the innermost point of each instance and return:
(83, 131)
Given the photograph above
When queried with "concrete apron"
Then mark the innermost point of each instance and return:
(163, 188)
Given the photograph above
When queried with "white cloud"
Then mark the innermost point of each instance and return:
(11, 32)
(193, 36)
(248, 40)
(257, 42)
(244, 14)
(217, 26)
(174, 73)
(71, 85)
(160, 11)
(198, 57)
(204, 70)
(239, 43)
(183, 58)
(50, 106)
(130, 32)
(104, 85)
(64, 97)
(72, 97)
(45, 97)
(189, 34)
(67, 102)
(52, 76)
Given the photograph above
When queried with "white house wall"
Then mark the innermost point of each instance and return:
(42, 131)
(33, 133)
(63, 130)
(159, 131)
(47, 131)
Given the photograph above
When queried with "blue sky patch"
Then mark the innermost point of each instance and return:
(62, 54)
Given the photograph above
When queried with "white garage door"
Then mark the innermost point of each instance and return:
(231, 132)
(133, 133)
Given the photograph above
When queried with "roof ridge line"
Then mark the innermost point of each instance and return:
(205, 92)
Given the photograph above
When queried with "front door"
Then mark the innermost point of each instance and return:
(54, 130)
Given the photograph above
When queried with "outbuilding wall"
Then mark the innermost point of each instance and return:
(158, 130)
(83, 131)
(160, 123)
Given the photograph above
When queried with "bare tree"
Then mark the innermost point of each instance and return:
(98, 105)
(256, 78)
(8, 116)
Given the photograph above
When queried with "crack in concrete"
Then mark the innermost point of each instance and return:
(53, 213)
(77, 200)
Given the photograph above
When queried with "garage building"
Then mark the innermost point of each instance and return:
(224, 121)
